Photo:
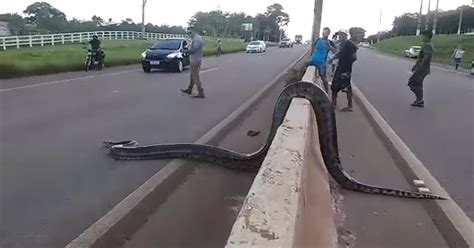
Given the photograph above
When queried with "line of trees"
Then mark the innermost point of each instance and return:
(42, 18)
(265, 26)
(448, 21)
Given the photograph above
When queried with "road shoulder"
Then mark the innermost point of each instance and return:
(373, 220)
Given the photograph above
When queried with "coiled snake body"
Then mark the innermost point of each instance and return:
(129, 150)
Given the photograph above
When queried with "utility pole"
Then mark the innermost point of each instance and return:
(427, 21)
(435, 21)
(460, 21)
(318, 10)
(418, 26)
(380, 25)
(143, 19)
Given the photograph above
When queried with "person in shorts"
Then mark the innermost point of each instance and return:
(421, 69)
(342, 77)
(319, 57)
(457, 57)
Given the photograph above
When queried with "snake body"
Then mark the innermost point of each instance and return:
(129, 150)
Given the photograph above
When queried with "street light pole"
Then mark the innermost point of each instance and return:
(143, 19)
(435, 21)
(460, 21)
(418, 26)
(380, 24)
(318, 9)
(427, 21)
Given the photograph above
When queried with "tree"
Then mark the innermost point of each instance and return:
(16, 23)
(46, 17)
(405, 24)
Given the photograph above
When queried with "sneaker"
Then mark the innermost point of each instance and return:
(186, 91)
(420, 104)
(200, 95)
(346, 109)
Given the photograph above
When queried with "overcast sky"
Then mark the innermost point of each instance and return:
(337, 14)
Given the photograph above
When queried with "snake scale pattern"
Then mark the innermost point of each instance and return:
(129, 149)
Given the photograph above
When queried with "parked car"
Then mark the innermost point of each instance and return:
(413, 52)
(169, 54)
(257, 46)
(286, 43)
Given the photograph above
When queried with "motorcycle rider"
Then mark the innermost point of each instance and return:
(96, 49)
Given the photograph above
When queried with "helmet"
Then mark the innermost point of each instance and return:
(95, 36)
(343, 31)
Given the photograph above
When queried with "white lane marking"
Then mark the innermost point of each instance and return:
(115, 92)
(66, 80)
(210, 69)
(449, 70)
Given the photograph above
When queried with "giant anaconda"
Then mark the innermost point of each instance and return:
(129, 150)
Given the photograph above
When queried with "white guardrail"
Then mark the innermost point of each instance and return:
(64, 38)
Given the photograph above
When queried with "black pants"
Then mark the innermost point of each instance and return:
(416, 84)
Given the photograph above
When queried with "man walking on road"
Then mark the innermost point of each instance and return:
(196, 53)
(322, 47)
(457, 57)
(421, 69)
(342, 77)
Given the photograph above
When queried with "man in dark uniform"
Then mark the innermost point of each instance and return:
(421, 69)
(342, 76)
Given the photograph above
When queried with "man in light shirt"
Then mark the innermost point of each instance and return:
(196, 52)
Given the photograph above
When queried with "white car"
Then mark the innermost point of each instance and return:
(365, 44)
(413, 52)
(257, 46)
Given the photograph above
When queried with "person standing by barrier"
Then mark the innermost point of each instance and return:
(457, 57)
(421, 69)
(322, 46)
(347, 55)
(196, 52)
(218, 47)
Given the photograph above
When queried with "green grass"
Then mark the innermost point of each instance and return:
(63, 58)
(444, 46)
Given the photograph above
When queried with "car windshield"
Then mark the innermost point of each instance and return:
(254, 43)
(167, 45)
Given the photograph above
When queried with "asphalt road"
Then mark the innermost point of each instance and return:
(442, 134)
(55, 177)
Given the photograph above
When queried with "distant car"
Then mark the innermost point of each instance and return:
(169, 54)
(286, 43)
(364, 44)
(257, 46)
(413, 52)
(298, 39)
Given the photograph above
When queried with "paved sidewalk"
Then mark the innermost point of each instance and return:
(374, 221)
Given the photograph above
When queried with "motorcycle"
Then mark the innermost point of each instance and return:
(94, 59)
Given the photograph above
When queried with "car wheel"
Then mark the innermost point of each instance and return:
(146, 69)
(179, 66)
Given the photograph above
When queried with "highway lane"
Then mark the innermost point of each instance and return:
(55, 178)
(442, 134)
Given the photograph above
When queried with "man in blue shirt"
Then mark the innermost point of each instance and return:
(322, 47)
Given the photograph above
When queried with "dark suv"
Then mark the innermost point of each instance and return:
(167, 54)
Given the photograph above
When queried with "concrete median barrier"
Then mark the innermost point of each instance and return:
(289, 203)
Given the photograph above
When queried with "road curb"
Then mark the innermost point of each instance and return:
(114, 228)
(449, 218)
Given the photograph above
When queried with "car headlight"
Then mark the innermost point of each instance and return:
(173, 55)
(144, 55)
